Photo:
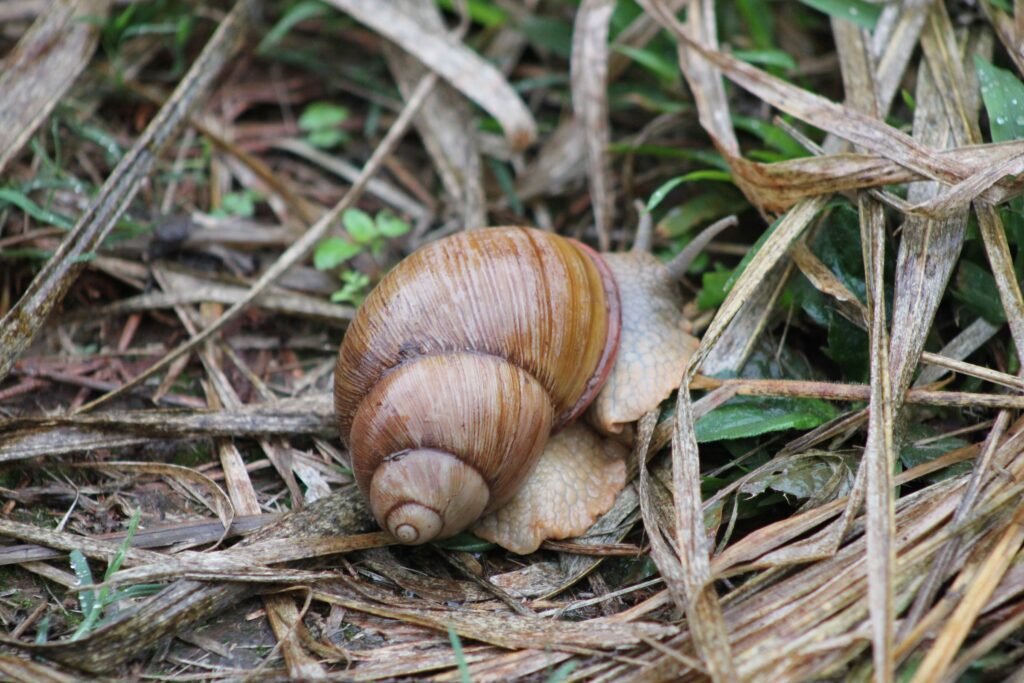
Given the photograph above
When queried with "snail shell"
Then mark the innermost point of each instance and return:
(461, 363)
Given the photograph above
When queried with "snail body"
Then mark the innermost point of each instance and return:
(476, 350)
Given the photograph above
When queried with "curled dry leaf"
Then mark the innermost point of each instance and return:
(590, 105)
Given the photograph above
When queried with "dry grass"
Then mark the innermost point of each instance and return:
(165, 346)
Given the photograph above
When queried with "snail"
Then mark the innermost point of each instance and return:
(473, 351)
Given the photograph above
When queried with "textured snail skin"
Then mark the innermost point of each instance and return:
(464, 359)
(576, 481)
(655, 346)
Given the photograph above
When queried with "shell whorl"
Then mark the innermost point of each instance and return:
(460, 364)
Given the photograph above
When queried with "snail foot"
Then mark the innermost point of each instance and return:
(576, 480)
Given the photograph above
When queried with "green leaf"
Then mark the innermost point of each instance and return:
(658, 196)
(976, 288)
(751, 253)
(122, 550)
(746, 416)
(708, 174)
(710, 158)
(848, 347)
(561, 674)
(922, 447)
(507, 183)
(354, 290)
(322, 116)
(43, 630)
(460, 656)
(482, 12)
(80, 566)
(662, 67)
(11, 196)
(757, 16)
(864, 14)
(771, 135)
(359, 224)
(297, 14)
(242, 204)
(548, 34)
(466, 542)
(713, 287)
(334, 251)
(1003, 94)
(328, 138)
(908, 99)
(767, 57)
(838, 247)
(704, 207)
(805, 477)
(391, 225)
(99, 137)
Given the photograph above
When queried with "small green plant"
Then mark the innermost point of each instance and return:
(366, 233)
(94, 603)
(353, 290)
(321, 123)
(240, 204)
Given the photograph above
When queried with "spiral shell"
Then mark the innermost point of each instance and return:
(461, 363)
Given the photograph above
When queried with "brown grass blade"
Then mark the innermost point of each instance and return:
(665, 556)
(27, 671)
(826, 282)
(703, 610)
(188, 533)
(927, 254)
(198, 485)
(941, 565)
(858, 128)
(998, 249)
(893, 43)
(560, 161)
(590, 104)
(506, 630)
(855, 392)
(777, 186)
(190, 289)
(879, 451)
(978, 590)
(43, 66)
(969, 340)
(785, 233)
(33, 437)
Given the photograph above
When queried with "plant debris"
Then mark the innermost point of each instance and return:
(196, 196)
